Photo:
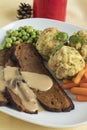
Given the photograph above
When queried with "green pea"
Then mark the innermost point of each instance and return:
(30, 40)
(33, 36)
(15, 33)
(19, 39)
(38, 32)
(25, 38)
(8, 45)
(28, 35)
(10, 31)
(17, 42)
(8, 35)
(25, 27)
(33, 33)
(1, 47)
(19, 34)
(13, 39)
(23, 32)
(20, 28)
(29, 29)
(8, 40)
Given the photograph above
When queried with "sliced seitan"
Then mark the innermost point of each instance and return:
(29, 59)
(3, 100)
(5, 57)
(13, 99)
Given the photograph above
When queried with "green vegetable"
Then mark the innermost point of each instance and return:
(10, 31)
(9, 40)
(62, 36)
(58, 47)
(76, 41)
(25, 34)
(8, 45)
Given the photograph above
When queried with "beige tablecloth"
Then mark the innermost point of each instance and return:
(76, 14)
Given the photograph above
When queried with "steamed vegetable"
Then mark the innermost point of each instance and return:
(25, 34)
(62, 36)
(78, 85)
(81, 98)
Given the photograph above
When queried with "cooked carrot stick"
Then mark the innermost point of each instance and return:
(79, 76)
(79, 90)
(85, 75)
(67, 81)
(83, 85)
(69, 85)
(83, 81)
(81, 98)
(86, 66)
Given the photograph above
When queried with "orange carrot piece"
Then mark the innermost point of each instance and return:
(69, 85)
(86, 66)
(67, 81)
(79, 76)
(79, 91)
(83, 85)
(85, 75)
(83, 81)
(81, 98)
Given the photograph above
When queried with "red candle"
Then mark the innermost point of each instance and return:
(53, 9)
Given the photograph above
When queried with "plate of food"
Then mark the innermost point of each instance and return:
(43, 72)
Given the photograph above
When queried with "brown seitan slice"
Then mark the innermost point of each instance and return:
(28, 59)
(54, 99)
(5, 58)
(15, 101)
(3, 100)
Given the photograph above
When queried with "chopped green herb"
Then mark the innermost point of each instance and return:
(58, 47)
(76, 39)
(62, 36)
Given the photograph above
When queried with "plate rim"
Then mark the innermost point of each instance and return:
(59, 126)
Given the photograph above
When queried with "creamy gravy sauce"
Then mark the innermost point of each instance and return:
(11, 73)
(2, 81)
(22, 89)
(37, 81)
(27, 96)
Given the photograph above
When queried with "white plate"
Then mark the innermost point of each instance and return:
(73, 118)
